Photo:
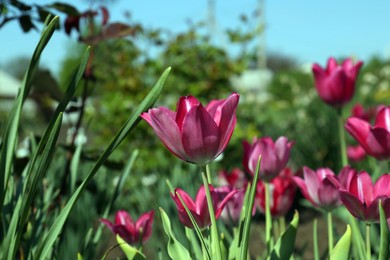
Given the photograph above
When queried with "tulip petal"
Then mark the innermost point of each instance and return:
(282, 150)
(304, 190)
(201, 201)
(145, 222)
(353, 204)
(167, 130)
(186, 198)
(223, 203)
(123, 218)
(183, 106)
(225, 118)
(312, 183)
(378, 141)
(359, 129)
(383, 118)
(200, 135)
(362, 188)
(382, 186)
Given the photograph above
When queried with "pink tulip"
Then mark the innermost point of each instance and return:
(356, 153)
(374, 139)
(194, 133)
(232, 210)
(282, 189)
(236, 178)
(361, 197)
(366, 114)
(199, 208)
(335, 84)
(274, 156)
(132, 232)
(318, 190)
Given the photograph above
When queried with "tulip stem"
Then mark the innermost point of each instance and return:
(343, 148)
(282, 225)
(330, 232)
(315, 241)
(268, 218)
(214, 229)
(368, 241)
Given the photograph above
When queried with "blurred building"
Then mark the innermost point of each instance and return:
(9, 88)
(253, 83)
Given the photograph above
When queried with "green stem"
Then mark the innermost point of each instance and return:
(315, 241)
(330, 232)
(282, 225)
(343, 147)
(214, 228)
(208, 172)
(268, 218)
(368, 241)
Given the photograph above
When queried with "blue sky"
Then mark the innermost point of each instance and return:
(309, 30)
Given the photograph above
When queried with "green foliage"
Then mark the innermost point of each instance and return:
(343, 246)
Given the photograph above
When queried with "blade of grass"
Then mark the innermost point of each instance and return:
(56, 228)
(384, 237)
(11, 130)
(205, 249)
(15, 233)
(248, 214)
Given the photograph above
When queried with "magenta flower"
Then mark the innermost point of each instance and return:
(356, 153)
(366, 114)
(335, 84)
(236, 178)
(361, 197)
(195, 133)
(232, 210)
(318, 190)
(374, 139)
(274, 156)
(199, 208)
(132, 232)
(283, 189)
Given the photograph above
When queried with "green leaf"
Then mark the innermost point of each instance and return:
(284, 247)
(196, 227)
(384, 237)
(248, 206)
(343, 247)
(357, 239)
(26, 23)
(56, 228)
(175, 249)
(10, 136)
(130, 251)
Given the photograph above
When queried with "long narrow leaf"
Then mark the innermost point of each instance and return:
(56, 228)
(384, 237)
(196, 227)
(11, 131)
(248, 214)
(33, 185)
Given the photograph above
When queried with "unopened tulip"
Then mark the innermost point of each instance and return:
(198, 208)
(195, 133)
(132, 232)
(374, 139)
(274, 156)
(335, 84)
